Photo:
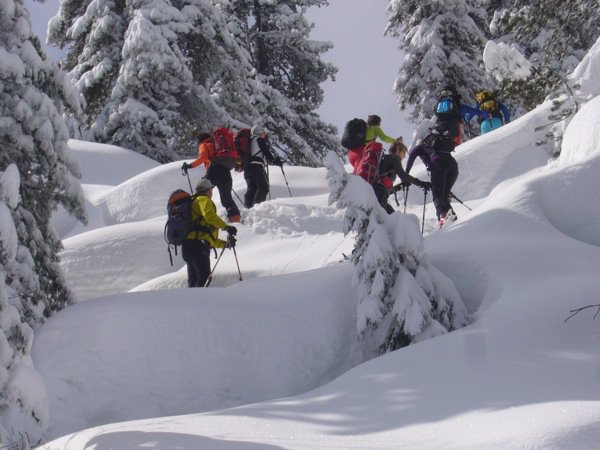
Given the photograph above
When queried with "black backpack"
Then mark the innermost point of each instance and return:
(179, 220)
(447, 108)
(354, 133)
(441, 138)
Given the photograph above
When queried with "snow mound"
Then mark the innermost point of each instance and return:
(581, 140)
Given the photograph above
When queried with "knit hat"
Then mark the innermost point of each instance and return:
(204, 185)
(258, 130)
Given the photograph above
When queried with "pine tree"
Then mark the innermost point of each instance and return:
(23, 408)
(94, 41)
(443, 42)
(553, 35)
(153, 76)
(288, 74)
(401, 297)
(34, 94)
(142, 68)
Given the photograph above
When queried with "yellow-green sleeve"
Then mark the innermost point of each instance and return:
(209, 213)
(384, 137)
(374, 132)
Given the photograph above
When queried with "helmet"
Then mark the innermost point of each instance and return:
(204, 185)
(258, 130)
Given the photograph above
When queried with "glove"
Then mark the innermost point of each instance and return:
(277, 162)
(185, 167)
(231, 231)
(423, 184)
(401, 186)
(230, 242)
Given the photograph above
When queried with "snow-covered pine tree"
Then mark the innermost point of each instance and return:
(153, 77)
(33, 95)
(443, 41)
(553, 35)
(23, 398)
(288, 75)
(155, 98)
(93, 34)
(402, 298)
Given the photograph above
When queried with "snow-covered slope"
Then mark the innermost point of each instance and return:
(518, 377)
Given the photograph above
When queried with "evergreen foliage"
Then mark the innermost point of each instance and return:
(22, 391)
(401, 297)
(443, 42)
(553, 35)
(33, 135)
(155, 72)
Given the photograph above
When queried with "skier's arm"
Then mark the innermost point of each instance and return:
(405, 177)
(465, 109)
(412, 155)
(203, 155)
(384, 137)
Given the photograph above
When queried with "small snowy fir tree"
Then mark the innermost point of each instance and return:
(402, 297)
(23, 398)
(33, 135)
(443, 42)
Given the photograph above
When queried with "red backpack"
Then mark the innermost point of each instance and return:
(368, 166)
(241, 143)
(225, 154)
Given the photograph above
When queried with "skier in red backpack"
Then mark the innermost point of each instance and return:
(218, 166)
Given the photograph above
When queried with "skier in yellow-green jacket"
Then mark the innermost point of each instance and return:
(198, 243)
(374, 131)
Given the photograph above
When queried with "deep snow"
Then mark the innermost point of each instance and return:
(280, 343)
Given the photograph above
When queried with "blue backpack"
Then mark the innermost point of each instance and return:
(447, 109)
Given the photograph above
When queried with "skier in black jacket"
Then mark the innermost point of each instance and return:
(390, 166)
(255, 173)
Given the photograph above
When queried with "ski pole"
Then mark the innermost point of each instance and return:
(185, 172)
(237, 263)
(424, 203)
(268, 181)
(459, 201)
(405, 197)
(286, 181)
(238, 197)
(209, 279)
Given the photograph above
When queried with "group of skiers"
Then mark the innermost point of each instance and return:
(248, 150)
(435, 150)
(220, 152)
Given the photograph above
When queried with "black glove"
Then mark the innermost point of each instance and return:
(230, 242)
(423, 184)
(401, 186)
(185, 167)
(231, 231)
(277, 162)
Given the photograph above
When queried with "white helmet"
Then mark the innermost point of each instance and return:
(257, 130)
(204, 185)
